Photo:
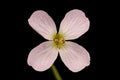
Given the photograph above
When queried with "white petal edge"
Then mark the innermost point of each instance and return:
(41, 22)
(74, 56)
(43, 56)
(74, 24)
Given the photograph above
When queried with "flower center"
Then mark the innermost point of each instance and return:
(58, 40)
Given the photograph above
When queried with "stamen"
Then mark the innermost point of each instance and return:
(59, 40)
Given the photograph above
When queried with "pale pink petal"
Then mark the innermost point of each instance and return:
(41, 22)
(74, 24)
(43, 56)
(74, 56)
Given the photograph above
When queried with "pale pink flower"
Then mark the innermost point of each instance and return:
(74, 56)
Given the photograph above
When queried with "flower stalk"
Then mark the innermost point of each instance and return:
(56, 73)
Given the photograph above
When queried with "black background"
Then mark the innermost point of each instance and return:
(22, 38)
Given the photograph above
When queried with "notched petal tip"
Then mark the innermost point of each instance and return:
(74, 24)
(80, 68)
(74, 56)
(42, 23)
(43, 56)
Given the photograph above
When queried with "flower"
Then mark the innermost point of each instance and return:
(74, 56)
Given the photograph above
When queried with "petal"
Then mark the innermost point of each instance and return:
(74, 56)
(74, 24)
(43, 24)
(43, 56)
